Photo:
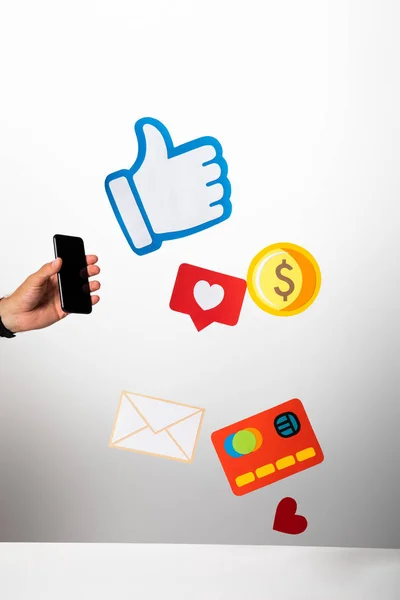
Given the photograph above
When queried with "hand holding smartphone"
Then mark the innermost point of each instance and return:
(73, 281)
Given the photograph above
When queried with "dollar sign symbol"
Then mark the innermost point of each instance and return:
(278, 272)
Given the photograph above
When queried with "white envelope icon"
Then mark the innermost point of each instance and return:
(158, 427)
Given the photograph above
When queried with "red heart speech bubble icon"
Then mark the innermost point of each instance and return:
(207, 296)
(286, 520)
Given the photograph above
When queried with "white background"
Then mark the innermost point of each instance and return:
(179, 572)
(304, 97)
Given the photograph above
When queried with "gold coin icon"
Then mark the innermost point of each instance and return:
(283, 279)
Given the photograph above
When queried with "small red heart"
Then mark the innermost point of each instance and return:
(286, 520)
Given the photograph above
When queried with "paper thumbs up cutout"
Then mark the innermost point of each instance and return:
(170, 191)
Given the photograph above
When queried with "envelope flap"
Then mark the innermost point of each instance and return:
(127, 421)
(160, 414)
(186, 433)
(157, 444)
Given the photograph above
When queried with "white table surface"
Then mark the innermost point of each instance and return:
(74, 571)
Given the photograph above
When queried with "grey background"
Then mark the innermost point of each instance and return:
(304, 98)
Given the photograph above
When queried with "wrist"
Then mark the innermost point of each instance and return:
(130, 213)
(7, 318)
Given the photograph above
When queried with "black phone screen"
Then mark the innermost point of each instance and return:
(73, 276)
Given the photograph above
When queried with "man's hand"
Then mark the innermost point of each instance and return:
(36, 303)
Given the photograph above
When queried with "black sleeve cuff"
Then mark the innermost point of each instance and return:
(4, 332)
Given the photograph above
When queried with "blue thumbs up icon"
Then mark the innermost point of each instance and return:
(170, 191)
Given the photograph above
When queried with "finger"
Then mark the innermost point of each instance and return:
(93, 270)
(211, 172)
(153, 139)
(45, 272)
(215, 212)
(215, 192)
(95, 299)
(94, 286)
(91, 259)
(200, 155)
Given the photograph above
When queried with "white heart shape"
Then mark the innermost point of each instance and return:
(208, 296)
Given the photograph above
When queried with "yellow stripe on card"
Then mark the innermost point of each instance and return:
(285, 462)
(265, 470)
(245, 479)
(304, 454)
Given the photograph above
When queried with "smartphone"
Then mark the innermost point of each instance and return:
(73, 281)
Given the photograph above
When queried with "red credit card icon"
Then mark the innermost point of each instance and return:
(207, 296)
(267, 447)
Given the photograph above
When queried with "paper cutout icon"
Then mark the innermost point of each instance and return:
(170, 191)
(158, 427)
(286, 520)
(267, 447)
(207, 296)
(284, 279)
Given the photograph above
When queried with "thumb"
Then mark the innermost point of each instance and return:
(154, 140)
(47, 271)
